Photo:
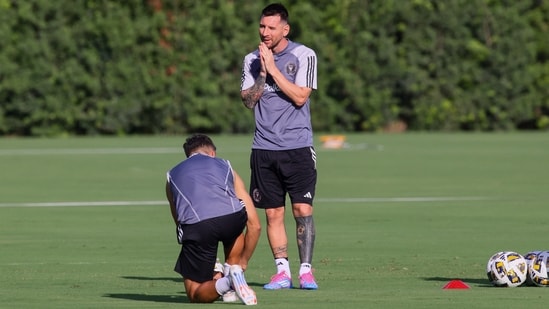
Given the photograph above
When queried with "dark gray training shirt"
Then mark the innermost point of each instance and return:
(203, 188)
(280, 124)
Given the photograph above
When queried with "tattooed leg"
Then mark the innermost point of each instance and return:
(280, 252)
(305, 230)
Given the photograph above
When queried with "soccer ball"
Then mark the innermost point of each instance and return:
(506, 268)
(530, 257)
(539, 269)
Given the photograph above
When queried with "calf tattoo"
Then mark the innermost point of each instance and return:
(305, 229)
(280, 252)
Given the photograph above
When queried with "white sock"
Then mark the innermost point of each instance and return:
(305, 268)
(222, 285)
(226, 268)
(282, 264)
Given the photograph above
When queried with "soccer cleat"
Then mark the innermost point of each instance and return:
(243, 291)
(279, 281)
(307, 282)
(230, 297)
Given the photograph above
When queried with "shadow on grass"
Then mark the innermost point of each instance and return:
(152, 298)
(159, 298)
(476, 281)
(174, 279)
(149, 298)
(256, 284)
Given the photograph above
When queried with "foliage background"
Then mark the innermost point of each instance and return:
(113, 67)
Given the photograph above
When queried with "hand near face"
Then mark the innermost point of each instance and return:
(267, 58)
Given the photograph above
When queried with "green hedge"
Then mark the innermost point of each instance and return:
(170, 66)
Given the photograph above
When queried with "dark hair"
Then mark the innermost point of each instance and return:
(196, 141)
(276, 9)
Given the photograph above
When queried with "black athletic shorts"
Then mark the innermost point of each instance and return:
(200, 242)
(277, 173)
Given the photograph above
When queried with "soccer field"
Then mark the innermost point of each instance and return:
(84, 222)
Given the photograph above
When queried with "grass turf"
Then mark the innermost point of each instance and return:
(398, 216)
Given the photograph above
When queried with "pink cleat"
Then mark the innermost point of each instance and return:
(307, 281)
(279, 281)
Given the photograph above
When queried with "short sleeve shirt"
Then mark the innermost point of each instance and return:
(280, 124)
(203, 188)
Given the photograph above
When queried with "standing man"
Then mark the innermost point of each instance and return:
(210, 204)
(277, 80)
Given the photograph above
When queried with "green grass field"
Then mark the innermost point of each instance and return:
(83, 222)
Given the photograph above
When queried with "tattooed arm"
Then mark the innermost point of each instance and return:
(251, 95)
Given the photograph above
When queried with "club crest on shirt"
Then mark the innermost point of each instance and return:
(291, 68)
(256, 195)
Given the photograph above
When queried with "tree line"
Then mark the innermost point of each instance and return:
(112, 67)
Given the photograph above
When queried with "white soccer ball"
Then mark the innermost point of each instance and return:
(530, 257)
(539, 269)
(507, 268)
